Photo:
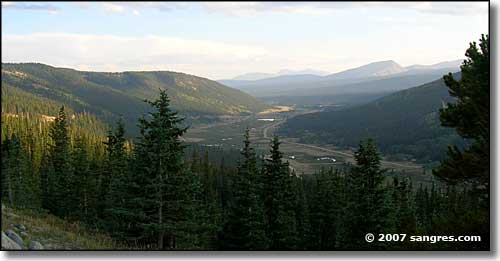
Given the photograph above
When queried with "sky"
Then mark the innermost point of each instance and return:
(220, 40)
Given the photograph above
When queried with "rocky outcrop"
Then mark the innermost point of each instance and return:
(21, 227)
(35, 245)
(9, 244)
(14, 236)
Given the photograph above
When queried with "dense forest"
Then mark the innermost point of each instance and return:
(109, 95)
(156, 192)
(405, 124)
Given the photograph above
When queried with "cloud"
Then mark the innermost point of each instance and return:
(135, 7)
(112, 7)
(310, 8)
(217, 59)
(119, 53)
(51, 9)
(257, 8)
(325, 8)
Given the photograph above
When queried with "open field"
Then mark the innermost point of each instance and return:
(276, 109)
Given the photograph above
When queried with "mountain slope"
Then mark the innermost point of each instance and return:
(311, 85)
(252, 76)
(382, 68)
(260, 76)
(403, 123)
(108, 95)
(378, 85)
(441, 65)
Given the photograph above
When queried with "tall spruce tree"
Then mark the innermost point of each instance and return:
(80, 196)
(279, 201)
(60, 173)
(364, 212)
(166, 195)
(244, 227)
(118, 198)
(17, 184)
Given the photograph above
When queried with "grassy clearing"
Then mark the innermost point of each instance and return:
(55, 233)
(276, 109)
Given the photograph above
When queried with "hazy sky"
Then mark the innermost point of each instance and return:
(223, 39)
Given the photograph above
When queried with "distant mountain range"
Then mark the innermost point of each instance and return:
(260, 76)
(311, 84)
(405, 124)
(109, 95)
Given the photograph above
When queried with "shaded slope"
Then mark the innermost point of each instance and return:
(406, 122)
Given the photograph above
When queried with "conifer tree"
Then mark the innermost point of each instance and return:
(470, 116)
(279, 201)
(60, 173)
(161, 157)
(364, 212)
(118, 198)
(244, 227)
(17, 186)
(79, 198)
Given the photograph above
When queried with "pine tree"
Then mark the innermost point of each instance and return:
(16, 174)
(81, 183)
(279, 201)
(302, 214)
(165, 196)
(244, 227)
(470, 116)
(60, 172)
(118, 198)
(364, 212)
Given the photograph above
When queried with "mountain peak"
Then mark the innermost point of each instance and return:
(379, 68)
(442, 65)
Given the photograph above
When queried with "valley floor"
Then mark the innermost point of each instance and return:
(303, 158)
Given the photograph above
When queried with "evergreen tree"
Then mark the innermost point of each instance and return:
(166, 194)
(365, 211)
(470, 116)
(60, 174)
(17, 184)
(244, 227)
(81, 183)
(279, 201)
(117, 198)
(302, 214)
(327, 201)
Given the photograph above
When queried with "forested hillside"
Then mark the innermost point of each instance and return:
(154, 196)
(155, 191)
(108, 95)
(404, 124)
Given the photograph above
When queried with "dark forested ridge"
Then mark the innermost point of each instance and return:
(404, 124)
(108, 95)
